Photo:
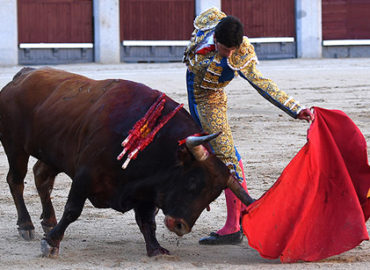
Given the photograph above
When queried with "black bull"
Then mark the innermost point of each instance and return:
(75, 125)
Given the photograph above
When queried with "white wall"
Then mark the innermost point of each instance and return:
(8, 32)
(309, 28)
(106, 28)
(202, 5)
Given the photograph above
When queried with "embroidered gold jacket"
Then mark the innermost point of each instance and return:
(213, 73)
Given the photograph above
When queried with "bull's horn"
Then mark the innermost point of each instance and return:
(193, 141)
(194, 144)
(239, 191)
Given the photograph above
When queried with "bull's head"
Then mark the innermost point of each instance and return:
(203, 177)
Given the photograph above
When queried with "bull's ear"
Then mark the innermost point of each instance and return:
(184, 156)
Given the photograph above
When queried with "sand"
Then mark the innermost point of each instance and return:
(266, 137)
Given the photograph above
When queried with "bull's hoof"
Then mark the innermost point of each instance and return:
(47, 250)
(27, 235)
(158, 251)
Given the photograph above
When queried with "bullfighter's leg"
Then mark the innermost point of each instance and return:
(72, 210)
(145, 218)
(18, 161)
(44, 180)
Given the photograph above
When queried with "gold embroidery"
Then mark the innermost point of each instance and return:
(217, 59)
(242, 57)
(209, 85)
(211, 78)
(213, 120)
(208, 19)
(213, 68)
(208, 91)
(268, 86)
(213, 86)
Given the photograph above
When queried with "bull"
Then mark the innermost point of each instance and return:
(75, 125)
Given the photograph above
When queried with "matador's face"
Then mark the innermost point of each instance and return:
(223, 50)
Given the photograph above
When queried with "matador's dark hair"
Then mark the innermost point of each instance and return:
(229, 32)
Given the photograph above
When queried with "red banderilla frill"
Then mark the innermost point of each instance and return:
(143, 132)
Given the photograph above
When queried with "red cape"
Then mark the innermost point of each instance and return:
(319, 205)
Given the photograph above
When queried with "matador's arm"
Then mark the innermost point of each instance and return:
(269, 90)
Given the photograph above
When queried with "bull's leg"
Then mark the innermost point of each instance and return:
(44, 180)
(145, 218)
(18, 161)
(76, 200)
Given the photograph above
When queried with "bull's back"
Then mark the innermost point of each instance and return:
(42, 108)
(30, 89)
(66, 119)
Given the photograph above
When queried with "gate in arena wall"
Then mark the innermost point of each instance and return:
(55, 31)
(155, 30)
(269, 24)
(346, 28)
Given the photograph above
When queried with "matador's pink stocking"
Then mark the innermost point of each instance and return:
(234, 209)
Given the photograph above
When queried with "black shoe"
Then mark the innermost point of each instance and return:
(227, 239)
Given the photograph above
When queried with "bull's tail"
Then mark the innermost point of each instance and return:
(16, 78)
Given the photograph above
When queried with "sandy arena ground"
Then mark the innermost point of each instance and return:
(266, 137)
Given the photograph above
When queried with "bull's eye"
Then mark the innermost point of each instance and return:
(193, 183)
(195, 180)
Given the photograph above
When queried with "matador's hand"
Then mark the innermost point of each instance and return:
(306, 114)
